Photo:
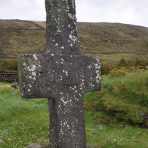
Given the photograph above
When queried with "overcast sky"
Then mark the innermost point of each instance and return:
(123, 11)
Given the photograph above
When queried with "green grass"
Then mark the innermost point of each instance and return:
(22, 121)
(115, 135)
(108, 115)
(125, 98)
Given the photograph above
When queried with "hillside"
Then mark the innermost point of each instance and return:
(19, 24)
(108, 37)
(109, 41)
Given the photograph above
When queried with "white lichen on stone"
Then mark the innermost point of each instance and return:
(34, 56)
(56, 45)
(62, 47)
(97, 67)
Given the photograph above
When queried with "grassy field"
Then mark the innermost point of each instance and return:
(114, 116)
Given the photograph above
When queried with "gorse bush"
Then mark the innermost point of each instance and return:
(123, 66)
(123, 71)
(116, 72)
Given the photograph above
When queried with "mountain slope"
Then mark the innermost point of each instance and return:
(19, 24)
(109, 37)
(105, 40)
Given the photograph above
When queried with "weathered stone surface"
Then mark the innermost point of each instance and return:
(48, 76)
(62, 74)
(65, 79)
(62, 35)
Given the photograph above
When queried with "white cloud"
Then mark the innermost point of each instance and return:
(124, 11)
(22, 9)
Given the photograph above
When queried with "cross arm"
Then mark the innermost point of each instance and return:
(29, 70)
(45, 76)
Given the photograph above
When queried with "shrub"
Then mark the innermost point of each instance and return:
(119, 72)
(123, 71)
(122, 62)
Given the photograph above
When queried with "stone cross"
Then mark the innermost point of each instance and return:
(62, 74)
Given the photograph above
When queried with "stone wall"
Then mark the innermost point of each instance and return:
(8, 77)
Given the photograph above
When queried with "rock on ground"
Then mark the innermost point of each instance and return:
(34, 145)
(1, 142)
(14, 85)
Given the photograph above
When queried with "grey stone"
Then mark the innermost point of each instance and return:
(145, 116)
(34, 145)
(1, 142)
(14, 85)
(62, 74)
